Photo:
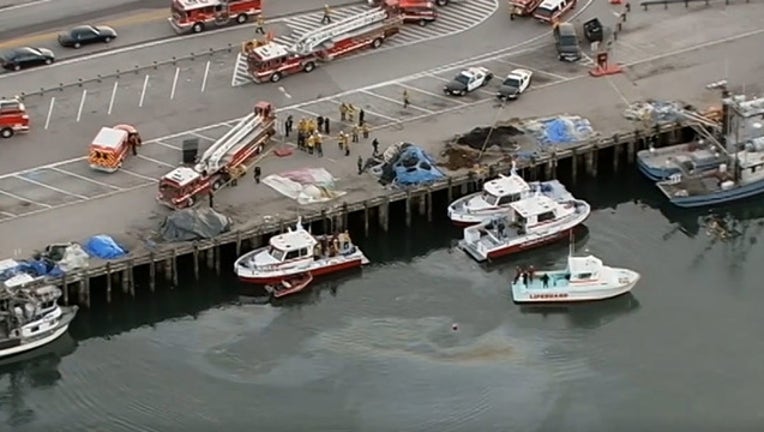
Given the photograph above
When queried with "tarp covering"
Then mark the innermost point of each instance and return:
(74, 258)
(306, 186)
(652, 112)
(104, 247)
(405, 165)
(561, 131)
(194, 224)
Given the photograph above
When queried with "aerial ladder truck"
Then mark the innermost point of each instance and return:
(271, 61)
(225, 161)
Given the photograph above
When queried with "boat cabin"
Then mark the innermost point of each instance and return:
(534, 211)
(505, 190)
(582, 269)
(291, 246)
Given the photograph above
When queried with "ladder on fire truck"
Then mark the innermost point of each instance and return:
(243, 134)
(311, 40)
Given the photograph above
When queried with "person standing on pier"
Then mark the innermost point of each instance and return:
(318, 143)
(311, 142)
(350, 112)
(360, 164)
(375, 147)
(531, 273)
(288, 126)
(342, 140)
(212, 200)
(343, 111)
(347, 146)
(260, 24)
(257, 175)
(327, 18)
(356, 131)
(365, 130)
(518, 274)
(406, 101)
(326, 126)
(320, 123)
(361, 117)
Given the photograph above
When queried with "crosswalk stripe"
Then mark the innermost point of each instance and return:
(452, 19)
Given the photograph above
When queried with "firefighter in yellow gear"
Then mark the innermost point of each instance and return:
(311, 143)
(351, 112)
(342, 140)
(406, 100)
(312, 128)
(343, 111)
(356, 132)
(260, 24)
(365, 130)
(319, 143)
(327, 18)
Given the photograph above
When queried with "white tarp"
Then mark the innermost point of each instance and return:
(74, 258)
(306, 186)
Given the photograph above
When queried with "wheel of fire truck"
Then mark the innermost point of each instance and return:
(198, 27)
(190, 202)
(242, 18)
(6, 133)
(442, 2)
(218, 184)
(422, 23)
(276, 77)
(376, 43)
(308, 67)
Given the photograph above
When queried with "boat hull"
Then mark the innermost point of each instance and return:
(266, 279)
(566, 294)
(68, 314)
(514, 249)
(653, 173)
(720, 197)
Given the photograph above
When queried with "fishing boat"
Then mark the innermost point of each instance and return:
(661, 163)
(290, 285)
(585, 278)
(497, 195)
(530, 223)
(296, 252)
(31, 318)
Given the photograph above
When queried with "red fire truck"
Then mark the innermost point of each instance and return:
(521, 8)
(13, 117)
(272, 61)
(223, 162)
(550, 11)
(197, 15)
(421, 12)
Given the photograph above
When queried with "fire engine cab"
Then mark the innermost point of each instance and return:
(421, 12)
(550, 11)
(13, 118)
(197, 15)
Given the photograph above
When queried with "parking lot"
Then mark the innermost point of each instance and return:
(72, 181)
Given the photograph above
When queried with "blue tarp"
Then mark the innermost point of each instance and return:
(104, 247)
(562, 132)
(34, 268)
(414, 167)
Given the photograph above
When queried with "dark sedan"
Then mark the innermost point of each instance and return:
(87, 34)
(20, 58)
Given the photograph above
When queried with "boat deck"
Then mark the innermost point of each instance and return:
(692, 186)
(557, 279)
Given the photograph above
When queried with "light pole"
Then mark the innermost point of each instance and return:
(286, 99)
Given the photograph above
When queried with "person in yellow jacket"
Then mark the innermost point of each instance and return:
(342, 140)
(351, 112)
(327, 18)
(260, 24)
(343, 111)
(310, 143)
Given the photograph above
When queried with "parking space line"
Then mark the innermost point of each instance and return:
(14, 196)
(535, 70)
(432, 75)
(310, 113)
(71, 174)
(394, 101)
(429, 93)
(197, 134)
(141, 176)
(53, 188)
(376, 114)
(158, 162)
(164, 144)
(10, 215)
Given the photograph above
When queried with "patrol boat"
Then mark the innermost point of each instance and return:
(498, 194)
(585, 278)
(31, 318)
(298, 252)
(530, 223)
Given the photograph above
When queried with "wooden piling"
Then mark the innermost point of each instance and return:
(422, 204)
(408, 209)
(573, 166)
(384, 214)
(65, 288)
(617, 150)
(324, 222)
(210, 254)
(631, 149)
(428, 204)
(196, 261)
(125, 278)
(152, 272)
(167, 269)
(344, 215)
(238, 244)
(216, 248)
(131, 276)
(86, 288)
(108, 282)
(366, 218)
(450, 190)
(174, 263)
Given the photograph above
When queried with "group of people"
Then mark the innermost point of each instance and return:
(527, 274)
(331, 246)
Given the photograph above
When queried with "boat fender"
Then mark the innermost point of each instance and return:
(454, 326)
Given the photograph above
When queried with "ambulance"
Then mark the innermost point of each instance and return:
(551, 11)
(13, 117)
(195, 16)
(111, 146)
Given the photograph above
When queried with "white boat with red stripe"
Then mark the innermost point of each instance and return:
(296, 252)
(584, 279)
(529, 223)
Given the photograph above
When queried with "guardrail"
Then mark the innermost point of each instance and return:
(686, 3)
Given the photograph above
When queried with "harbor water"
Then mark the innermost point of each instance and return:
(376, 350)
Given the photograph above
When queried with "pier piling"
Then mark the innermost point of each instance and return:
(86, 288)
(174, 263)
(450, 189)
(125, 281)
(631, 149)
(408, 209)
(324, 221)
(428, 204)
(131, 276)
(210, 255)
(108, 282)
(591, 162)
(344, 215)
(238, 243)
(573, 166)
(366, 219)
(422, 203)
(65, 288)
(152, 272)
(196, 261)
(216, 252)
(384, 214)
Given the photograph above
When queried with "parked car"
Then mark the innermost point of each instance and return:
(566, 41)
(20, 58)
(514, 85)
(468, 81)
(87, 34)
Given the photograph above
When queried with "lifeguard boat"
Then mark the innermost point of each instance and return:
(497, 196)
(584, 279)
(297, 252)
(530, 223)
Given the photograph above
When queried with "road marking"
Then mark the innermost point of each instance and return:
(429, 93)
(396, 102)
(53, 188)
(535, 70)
(163, 144)
(141, 176)
(310, 113)
(16, 197)
(445, 80)
(158, 162)
(81, 177)
(196, 134)
(23, 5)
(9, 215)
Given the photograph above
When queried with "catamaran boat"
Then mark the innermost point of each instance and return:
(298, 251)
(31, 318)
(584, 279)
(530, 223)
(498, 194)
(661, 163)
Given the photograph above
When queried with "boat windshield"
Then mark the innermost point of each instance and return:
(277, 254)
(489, 198)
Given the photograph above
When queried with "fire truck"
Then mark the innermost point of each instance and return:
(197, 15)
(13, 117)
(223, 162)
(420, 12)
(522, 8)
(271, 61)
(550, 11)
